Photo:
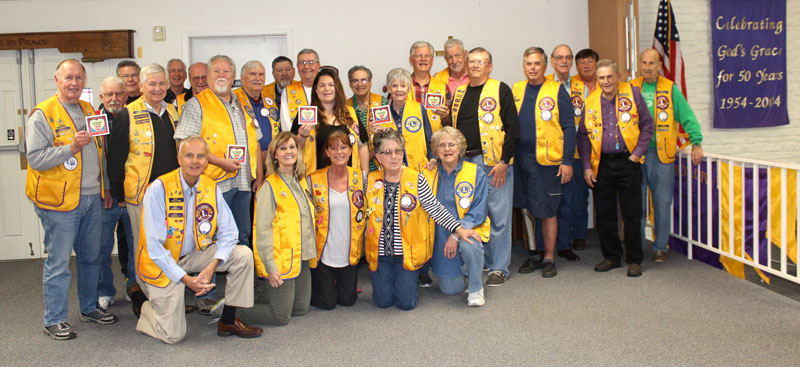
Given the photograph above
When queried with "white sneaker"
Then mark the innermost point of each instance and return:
(475, 299)
(105, 302)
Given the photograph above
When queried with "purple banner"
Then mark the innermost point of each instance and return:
(700, 211)
(748, 38)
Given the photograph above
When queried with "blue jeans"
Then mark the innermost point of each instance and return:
(660, 178)
(472, 257)
(394, 285)
(239, 203)
(497, 252)
(111, 216)
(79, 230)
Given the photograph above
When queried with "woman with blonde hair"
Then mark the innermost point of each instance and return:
(283, 237)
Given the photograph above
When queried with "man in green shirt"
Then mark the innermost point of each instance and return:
(668, 107)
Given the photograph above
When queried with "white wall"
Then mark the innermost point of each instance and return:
(780, 144)
(374, 33)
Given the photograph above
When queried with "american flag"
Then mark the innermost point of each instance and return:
(668, 44)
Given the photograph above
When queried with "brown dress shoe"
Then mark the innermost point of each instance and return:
(660, 257)
(239, 329)
(137, 310)
(579, 244)
(634, 270)
(606, 265)
(569, 255)
(189, 308)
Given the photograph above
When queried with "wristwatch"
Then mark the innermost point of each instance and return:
(697, 145)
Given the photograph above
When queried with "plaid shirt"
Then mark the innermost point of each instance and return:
(192, 123)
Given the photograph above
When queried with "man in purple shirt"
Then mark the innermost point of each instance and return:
(610, 149)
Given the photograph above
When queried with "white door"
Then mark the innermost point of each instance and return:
(241, 49)
(19, 224)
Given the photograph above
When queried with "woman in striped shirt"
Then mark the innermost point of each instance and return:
(400, 205)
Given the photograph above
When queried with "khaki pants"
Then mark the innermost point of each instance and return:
(135, 215)
(163, 314)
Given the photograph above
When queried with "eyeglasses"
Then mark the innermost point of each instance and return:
(359, 81)
(447, 145)
(392, 152)
(129, 76)
(113, 94)
(307, 62)
(478, 62)
(562, 57)
(199, 78)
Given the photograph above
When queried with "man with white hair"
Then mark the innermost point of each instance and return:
(65, 184)
(141, 149)
(455, 74)
(115, 216)
(255, 99)
(421, 60)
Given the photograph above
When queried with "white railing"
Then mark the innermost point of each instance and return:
(745, 235)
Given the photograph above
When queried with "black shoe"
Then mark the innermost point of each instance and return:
(579, 244)
(634, 270)
(425, 280)
(530, 265)
(549, 269)
(606, 265)
(569, 255)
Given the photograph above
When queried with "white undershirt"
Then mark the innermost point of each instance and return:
(337, 248)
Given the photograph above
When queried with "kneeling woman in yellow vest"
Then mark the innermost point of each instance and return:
(283, 237)
(400, 205)
(462, 188)
(333, 114)
(338, 192)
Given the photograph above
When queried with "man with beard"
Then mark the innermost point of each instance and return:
(115, 216)
(197, 80)
(176, 71)
(283, 73)
(232, 133)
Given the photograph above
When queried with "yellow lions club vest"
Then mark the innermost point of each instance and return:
(217, 130)
(59, 188)
(205, 224)
(355, 195)
(627, 120)
(666, 129)
(489, 121)
(180, 101)
(296, 95)
(270, 111)
(310, 147)
(434, 86)
(417, 250)
(413, 133)
(576, 92)
(286, 229)
(141, 140)
(464, 194)
(549, 136)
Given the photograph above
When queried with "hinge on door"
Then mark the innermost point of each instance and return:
(30, 244)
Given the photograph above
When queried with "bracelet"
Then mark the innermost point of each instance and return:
(455, 237)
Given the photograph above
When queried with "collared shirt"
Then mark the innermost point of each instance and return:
(612, 141)
(170, 97)
(475, 216)
(265, 199)
(453, 84)
(286, 119)
(154, 218)
(420, 91)
(192, 124)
